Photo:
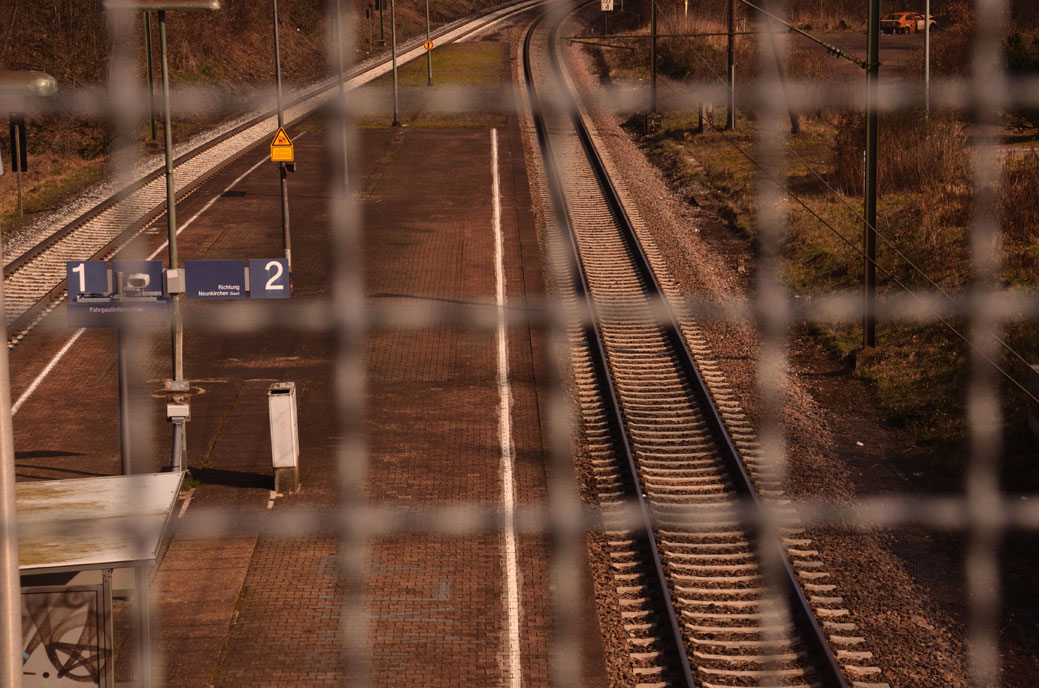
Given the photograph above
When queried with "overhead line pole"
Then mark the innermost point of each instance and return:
(927, 58)
(869, 316)
(393, 55)
(653, 57)
(730, 117)
(151, 75)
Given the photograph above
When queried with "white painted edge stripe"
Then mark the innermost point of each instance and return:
(78, 333)
(512, 603)
(46, 371)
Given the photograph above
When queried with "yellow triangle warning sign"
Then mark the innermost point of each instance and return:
(281, 147)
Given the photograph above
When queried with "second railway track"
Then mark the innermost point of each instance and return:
(662, 430)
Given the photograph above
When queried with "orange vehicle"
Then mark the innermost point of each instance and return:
(904, 22)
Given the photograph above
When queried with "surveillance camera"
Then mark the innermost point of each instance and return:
(138, 280)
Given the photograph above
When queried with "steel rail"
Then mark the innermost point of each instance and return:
(594, 338)
(798, 602)
(41, 307)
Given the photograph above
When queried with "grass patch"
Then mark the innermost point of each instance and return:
(460, 70)
(919, 374)
(47, 188)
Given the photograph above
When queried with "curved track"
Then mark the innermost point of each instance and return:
(692, 589)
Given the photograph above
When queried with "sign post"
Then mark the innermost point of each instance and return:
(281, 148)
(429, 50)
(19, 152)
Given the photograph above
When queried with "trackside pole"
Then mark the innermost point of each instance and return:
(393, 55)
(730, 53)
(429, 53)
(653, 57)
(869, 316)
(927, 58)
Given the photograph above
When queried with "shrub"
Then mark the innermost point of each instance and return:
(914, 153)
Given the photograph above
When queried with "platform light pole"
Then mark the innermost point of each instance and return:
(177, 329)
(282, 167)
(151, 76)
(393, 55)
(12, 85)
(429, 53)
(653, 57)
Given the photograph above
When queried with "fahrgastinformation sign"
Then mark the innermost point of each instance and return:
(136, 292)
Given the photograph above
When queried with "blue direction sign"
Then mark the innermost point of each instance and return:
(214, 279)
(140, 277)
(114, 312)
(86, 277)
(268, 278)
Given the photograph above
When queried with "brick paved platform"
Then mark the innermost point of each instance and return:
(259, 611)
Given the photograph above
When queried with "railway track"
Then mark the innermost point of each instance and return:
(34, 280)
(661, 428)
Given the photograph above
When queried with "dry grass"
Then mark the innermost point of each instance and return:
(914, 153)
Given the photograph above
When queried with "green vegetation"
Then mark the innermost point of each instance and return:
(63, 182)
(919, 372)
(482, 68)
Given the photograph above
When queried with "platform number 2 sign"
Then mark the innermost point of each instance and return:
(269, 278)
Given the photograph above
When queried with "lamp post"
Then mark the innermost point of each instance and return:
(177, 329)
(393, 54)
(12, 85)
(342, 83)
(151, 77)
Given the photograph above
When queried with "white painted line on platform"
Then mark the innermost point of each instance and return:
(508, 451)
(46, 371)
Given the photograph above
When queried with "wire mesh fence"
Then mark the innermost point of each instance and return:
(346, 314)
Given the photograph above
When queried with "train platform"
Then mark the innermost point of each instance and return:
(261, 611)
